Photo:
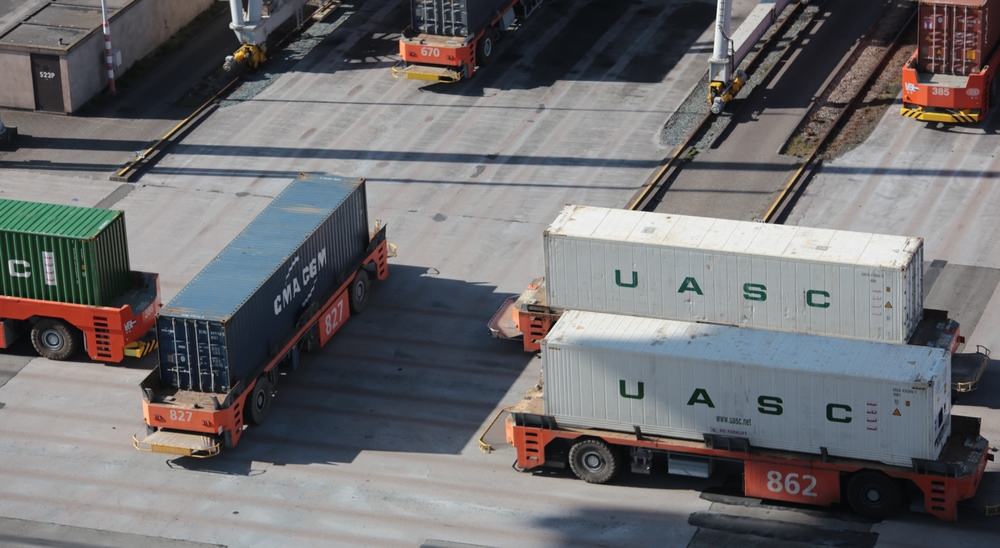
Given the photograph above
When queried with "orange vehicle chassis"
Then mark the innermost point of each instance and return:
(451, 58)
(949, 99)
(107, 330)
(769, 474)
(183, 411)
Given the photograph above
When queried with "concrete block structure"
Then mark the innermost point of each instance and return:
(52, 51)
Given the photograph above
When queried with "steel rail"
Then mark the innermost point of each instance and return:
(808, 167)
(131, 169)
(642, 199)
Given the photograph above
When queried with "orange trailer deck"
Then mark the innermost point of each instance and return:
(873, 489)
(110, 333)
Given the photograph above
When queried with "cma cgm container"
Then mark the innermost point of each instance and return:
(856, 399)
(956, 37)
(224, 324)
(805, 280)
(452, 17)
(63, 253)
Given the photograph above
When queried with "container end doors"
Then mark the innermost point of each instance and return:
(47, 79)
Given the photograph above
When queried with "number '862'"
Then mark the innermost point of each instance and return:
(790, 484)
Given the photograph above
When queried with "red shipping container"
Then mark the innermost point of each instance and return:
(956, 36)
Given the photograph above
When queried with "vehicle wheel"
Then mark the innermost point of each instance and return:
(486, 47)
(55, 339)
(873, 494)
(258, 405)
(359, 291)
(593, 461)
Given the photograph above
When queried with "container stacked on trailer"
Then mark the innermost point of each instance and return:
(66, 280)
(951, 75)
(286, 284)
(809, 347)
(448, 40)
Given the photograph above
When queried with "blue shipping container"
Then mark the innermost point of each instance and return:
(224, 324)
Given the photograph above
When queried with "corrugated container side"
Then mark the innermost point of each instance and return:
(452, 17)
(956, 36)
(743, 274)
(63, 253)
(248, 299)
(858, 399)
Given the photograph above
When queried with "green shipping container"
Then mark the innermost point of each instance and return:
(63, 253)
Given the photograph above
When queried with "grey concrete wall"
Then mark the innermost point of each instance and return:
(84, 72)
(146, 24)
(16, 89)
(136, 29)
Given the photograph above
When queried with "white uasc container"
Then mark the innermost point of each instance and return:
(804, 280)
(858, 399)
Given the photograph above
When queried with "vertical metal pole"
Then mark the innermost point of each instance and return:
(254, 10)
(107, 48)
(719, 64)
(236, 12)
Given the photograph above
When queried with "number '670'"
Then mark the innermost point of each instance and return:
(430, 52)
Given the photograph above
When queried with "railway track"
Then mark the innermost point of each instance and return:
(819, 125)
(148, 157)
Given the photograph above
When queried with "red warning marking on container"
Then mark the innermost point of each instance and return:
(896, 413)
(888, 304)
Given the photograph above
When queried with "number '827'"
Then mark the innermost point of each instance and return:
(180, 415)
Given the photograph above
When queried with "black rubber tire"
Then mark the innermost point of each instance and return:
(486, 48)
(55, 339)
(359, 291)
(593, 461)
(873, 494)
(258, 403)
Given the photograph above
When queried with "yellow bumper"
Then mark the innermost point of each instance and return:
(178, 443)
(427, 72)
(138, 349)
(964, 116)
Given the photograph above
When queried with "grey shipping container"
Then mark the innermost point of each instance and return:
(224, 324)
(804, 280)
(63, 253)
(856, 399)
(453, 17)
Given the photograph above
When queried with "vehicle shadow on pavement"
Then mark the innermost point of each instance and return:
(635, 46)
(224, 465)
(417, 371)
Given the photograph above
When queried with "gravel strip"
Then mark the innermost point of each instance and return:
(861, 120)
(687, 117)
